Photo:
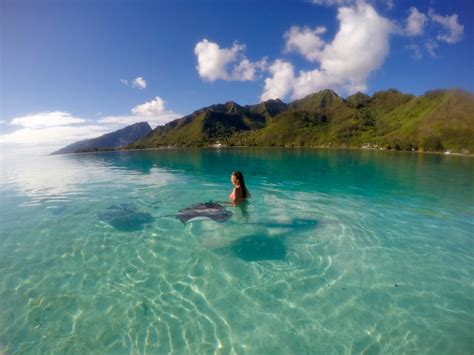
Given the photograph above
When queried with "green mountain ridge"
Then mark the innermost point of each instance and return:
(439, 120)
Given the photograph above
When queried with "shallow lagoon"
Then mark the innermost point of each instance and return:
(337, 252)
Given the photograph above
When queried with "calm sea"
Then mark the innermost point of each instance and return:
(336, 252)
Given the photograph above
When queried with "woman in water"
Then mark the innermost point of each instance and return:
(240, 192)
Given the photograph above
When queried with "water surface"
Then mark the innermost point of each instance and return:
(336, 252)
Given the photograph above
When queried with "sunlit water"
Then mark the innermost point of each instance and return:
(337, 252)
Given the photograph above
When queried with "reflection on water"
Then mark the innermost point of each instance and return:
(63, 178)
(93, 258)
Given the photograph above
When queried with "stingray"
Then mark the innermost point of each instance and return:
(211, 210)
(256, 247)
(263, 246)
(125, 217)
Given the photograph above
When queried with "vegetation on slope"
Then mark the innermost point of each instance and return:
(436, 121)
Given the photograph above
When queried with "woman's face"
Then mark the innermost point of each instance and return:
(234, 180)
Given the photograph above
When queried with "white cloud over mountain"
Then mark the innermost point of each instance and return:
(342, 59)
(151, 108)
(305, 41)
(225, 63)
(48, 131)
(281, 81)
(153, 112)
(359, 47)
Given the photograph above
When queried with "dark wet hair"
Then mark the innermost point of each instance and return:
(238, 175)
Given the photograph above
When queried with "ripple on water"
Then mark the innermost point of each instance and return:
(308, 264)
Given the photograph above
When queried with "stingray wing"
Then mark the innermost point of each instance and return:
(210, 210)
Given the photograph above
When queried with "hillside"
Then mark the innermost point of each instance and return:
(436, 121)
(109, 141)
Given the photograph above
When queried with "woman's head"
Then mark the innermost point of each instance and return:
(237, 179)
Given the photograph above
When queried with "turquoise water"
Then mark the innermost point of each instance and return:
(337, 252)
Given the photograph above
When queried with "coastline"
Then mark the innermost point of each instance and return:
(447, 153)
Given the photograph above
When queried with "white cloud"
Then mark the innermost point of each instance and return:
(153, 112)
(358, 49)
(46, 119)
(56, 136)
(156, 120)
(153, 107)
(246, 70)
(212, 60)
(415, 22)
(225, 63)
(41, 131)
(453, 30)
(305, 41)
(139, 83)
(279, 85)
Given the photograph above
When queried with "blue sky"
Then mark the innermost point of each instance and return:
(69, 69)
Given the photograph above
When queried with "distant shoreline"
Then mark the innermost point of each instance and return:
(279, 147)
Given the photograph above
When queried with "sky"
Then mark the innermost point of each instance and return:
(72, 70)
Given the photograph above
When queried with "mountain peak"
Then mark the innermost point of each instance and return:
(232, 107)
(143, 123)
(272, 101)
(319, 100)
(270, 107)
(358, 99)
(328, 92)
